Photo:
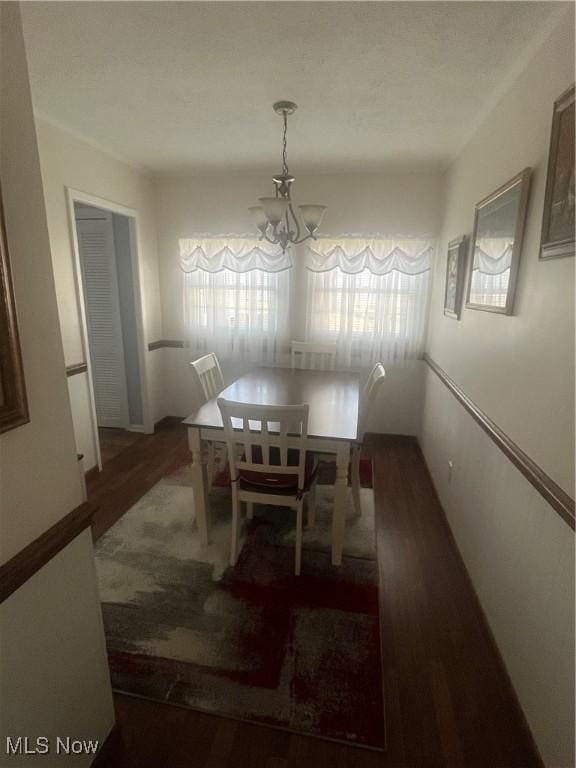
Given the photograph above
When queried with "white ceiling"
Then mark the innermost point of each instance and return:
(188, 87)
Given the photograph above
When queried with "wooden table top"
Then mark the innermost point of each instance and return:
(331, 395)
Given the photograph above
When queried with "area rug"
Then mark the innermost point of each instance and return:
(252, 642)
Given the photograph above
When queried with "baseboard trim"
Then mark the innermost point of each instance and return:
(473, 591)
(29, 560)
(546, 487)
(136, 428)
(168, 421)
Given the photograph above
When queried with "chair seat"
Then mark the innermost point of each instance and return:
(270, 482)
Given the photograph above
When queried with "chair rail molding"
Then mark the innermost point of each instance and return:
(543, 483)
(167, 343)
(21, 567)
(76, 368)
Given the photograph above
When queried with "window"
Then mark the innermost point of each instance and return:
(237, 314)
(368, 296)
(236, 295)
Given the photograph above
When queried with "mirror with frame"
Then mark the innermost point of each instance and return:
(496, 246)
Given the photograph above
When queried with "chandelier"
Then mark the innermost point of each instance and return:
(275, 217)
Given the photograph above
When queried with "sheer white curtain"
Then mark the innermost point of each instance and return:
(236, 298)
(370, 297)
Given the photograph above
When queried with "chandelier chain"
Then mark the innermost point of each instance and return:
(285, 145)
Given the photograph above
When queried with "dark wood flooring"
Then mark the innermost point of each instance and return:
(448, 700)
(134, 470)
(114, 441)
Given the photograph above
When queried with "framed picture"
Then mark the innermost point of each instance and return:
(455, 272)
(13, 403)
(496, 246)
(558, 220)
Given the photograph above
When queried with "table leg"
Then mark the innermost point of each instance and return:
(200, 480)
(340, 501)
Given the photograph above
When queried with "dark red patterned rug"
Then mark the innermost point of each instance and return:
(252, 642)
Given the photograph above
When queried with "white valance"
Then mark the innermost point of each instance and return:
(235, 254)
(493, 255)
(377, 255)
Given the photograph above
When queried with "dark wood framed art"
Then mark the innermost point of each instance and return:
(558, 219)
(496, 246)
(13, 403)
(455, 275)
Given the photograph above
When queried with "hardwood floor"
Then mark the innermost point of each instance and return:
(448, 698)
(133, 471)
(114, 441)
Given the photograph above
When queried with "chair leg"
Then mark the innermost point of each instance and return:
(235, 527)
(311, 505)
(211, 464)
(249, 510)
(357, 453)
(298, 553)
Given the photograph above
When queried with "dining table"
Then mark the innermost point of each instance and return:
(333, 400)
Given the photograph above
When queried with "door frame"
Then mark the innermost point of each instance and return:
(133, 215)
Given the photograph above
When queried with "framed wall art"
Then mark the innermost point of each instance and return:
(558, 219)
(496, 246)
(13, 403)
(455, 275)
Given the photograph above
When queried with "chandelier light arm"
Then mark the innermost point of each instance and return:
(297, 233)
(265, 236)
(303, 239)
(275, 240)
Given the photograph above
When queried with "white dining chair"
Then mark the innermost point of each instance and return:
(208, 382)
(368, 398)
(266, 470)
(312, 356)
(208, 378)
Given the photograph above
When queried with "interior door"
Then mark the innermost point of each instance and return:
(103, 318)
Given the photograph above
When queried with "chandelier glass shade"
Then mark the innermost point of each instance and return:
(275, 217)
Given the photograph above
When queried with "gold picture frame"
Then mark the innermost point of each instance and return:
(13, 401)
(558, 216)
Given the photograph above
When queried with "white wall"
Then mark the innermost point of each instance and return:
(67, 161)
(520, 371)
(366, 204)
(53, 667)
(31, 501)
(65, 688)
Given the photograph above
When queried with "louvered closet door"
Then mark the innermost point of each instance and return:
(100, 283)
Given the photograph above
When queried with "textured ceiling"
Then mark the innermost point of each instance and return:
(177, 87)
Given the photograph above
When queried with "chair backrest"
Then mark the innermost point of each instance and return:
(258, 429)
(369, 395)
(208, 376)
(319, 357)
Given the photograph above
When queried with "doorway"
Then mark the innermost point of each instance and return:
(108, 286)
